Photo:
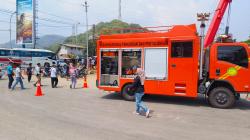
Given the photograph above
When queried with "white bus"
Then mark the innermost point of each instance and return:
(27, 56)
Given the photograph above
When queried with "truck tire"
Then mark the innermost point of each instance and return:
(221, 97)
(128, 95)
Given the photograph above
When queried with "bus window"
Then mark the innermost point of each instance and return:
(45, 54)
(4, 53)
(36, 54)
(25, 54)
(16, 53)
(109, 68)
(131, 60)
(51, 56)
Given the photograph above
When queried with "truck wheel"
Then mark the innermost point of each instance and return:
(126, 94)
(221, 97)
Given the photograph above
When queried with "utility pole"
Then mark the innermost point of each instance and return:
(76, 32)
(10, 27)
(202, 17)
(87, 35)
(35, 24)
(120, 10)
(94, 38)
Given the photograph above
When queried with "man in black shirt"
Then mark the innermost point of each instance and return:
(29, 72)
(138, 88)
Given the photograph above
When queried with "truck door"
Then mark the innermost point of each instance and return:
(156, 70)
(184, 68)
(230, 63)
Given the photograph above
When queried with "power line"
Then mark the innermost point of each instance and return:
(4, 21)
(53, 26)
(55, 21)
(43, 12)
(4, 30)
(71, 3)
(6, 11)
(44, 19)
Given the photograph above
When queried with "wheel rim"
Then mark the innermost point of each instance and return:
(221, 98)
(130, 93)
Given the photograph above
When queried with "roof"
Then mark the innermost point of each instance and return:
(173, 31)
(25, 49)
(73, 46)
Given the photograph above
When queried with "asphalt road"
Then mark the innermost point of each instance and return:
(65, 114)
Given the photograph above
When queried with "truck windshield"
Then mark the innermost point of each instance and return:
(233, 54)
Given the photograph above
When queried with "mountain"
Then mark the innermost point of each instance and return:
(43, 43)
(48, 40)
(104, 28)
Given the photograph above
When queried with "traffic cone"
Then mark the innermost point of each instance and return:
(85, 84)
(39, 90)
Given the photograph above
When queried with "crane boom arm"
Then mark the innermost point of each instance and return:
(216, 21)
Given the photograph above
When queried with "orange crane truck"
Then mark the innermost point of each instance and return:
(176, 63)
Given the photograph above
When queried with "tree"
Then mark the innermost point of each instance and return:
(248, 41)
(54, 48)
(102, 28)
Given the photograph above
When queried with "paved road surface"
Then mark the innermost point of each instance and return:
(90, 114)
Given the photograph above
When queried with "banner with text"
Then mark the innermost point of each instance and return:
(24, 23)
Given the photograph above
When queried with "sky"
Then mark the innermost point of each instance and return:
(143, 12)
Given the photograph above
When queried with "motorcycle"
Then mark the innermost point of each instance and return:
(82, 71)
(62, 71)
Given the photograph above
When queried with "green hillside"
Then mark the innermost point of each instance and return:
(103, 28)
(248, 41)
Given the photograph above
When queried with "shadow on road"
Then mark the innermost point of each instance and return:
(196, 102)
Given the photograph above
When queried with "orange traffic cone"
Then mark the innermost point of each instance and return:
(85, 84)
(39, 90)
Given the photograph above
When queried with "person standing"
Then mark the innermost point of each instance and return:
(93, 63)
(29, 72)
(138, 87)
(73, 75)
(19, 77)
(53, 76)
(10, 74)
(38, 74)
(67, 71)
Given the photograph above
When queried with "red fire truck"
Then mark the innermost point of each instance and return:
(171, 62)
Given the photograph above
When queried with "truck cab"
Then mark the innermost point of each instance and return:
(227, 73)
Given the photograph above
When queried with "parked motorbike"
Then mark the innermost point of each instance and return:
(82, 71)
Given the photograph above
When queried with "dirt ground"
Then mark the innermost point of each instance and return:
(91, 114)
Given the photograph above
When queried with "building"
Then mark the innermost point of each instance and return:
(69, 51)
